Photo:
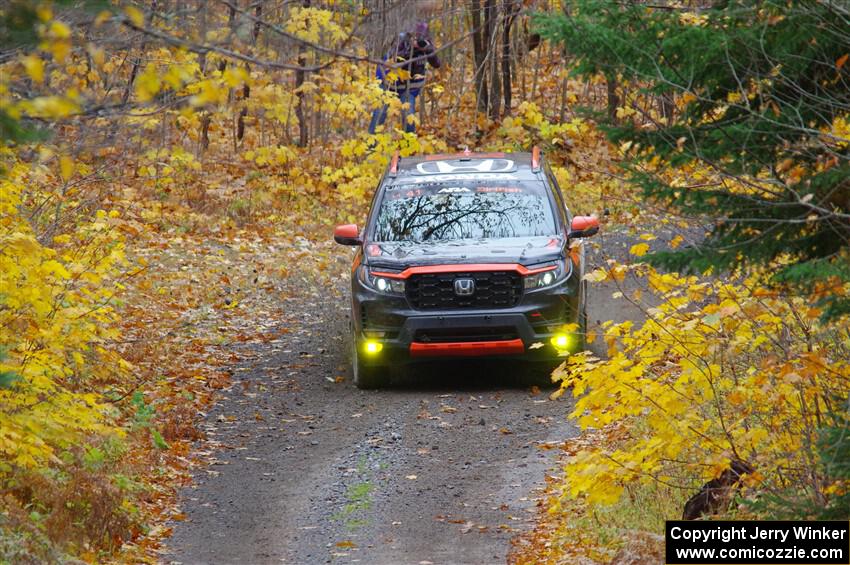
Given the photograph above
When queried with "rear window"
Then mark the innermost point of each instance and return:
(464, 210)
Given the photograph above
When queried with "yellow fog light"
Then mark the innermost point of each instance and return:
(564, 342)
(373, 347)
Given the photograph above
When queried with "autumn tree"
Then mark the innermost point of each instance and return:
(117, 119)
(494, 55)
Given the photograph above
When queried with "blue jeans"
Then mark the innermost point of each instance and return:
(379, 115)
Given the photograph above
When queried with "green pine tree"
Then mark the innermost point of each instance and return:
(763, 82)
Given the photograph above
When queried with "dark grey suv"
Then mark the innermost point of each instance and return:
(473, 254)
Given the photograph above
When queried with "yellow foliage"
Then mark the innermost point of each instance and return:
(719, 370)
(840, 131)
(66, 167)
(314, 24)
(639, 249)
(135, 16)
(367, 159)
(56, 311)
(34, 67)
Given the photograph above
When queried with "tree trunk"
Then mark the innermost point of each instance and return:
(300, 75)
(303, 131)
(613, 98)
(562, 112)
(668, 108)
(493, 54)
(507, 83)
(137, 62)
(206, 120)
(246, 90)
(480, 41)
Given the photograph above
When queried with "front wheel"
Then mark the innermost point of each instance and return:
(539, 373)
(366, 377)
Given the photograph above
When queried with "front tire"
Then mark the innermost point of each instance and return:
(539, 373)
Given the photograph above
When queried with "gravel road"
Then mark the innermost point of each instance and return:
(442, 468)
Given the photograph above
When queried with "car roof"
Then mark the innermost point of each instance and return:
(424, 168)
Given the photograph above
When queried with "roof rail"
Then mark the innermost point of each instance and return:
(535, 159)
(394, 164)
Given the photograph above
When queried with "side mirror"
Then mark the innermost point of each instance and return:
(584, 226)
(347, 234)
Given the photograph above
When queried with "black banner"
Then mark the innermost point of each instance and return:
(757, 542)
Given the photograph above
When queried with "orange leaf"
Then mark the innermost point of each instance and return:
(841, 60)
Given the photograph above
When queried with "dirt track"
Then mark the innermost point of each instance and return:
(439, 469)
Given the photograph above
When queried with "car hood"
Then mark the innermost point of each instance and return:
(525, 251)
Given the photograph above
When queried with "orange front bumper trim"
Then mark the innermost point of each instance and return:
(467, 348)
(463, 268)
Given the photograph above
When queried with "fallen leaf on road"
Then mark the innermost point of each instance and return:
(411, 477)
(639, 249)
(548, 445)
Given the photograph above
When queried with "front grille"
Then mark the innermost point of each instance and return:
(494, 289)
(448, 335)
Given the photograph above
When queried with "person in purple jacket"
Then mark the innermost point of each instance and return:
(411, 52)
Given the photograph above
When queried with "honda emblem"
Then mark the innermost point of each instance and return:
(464, 287)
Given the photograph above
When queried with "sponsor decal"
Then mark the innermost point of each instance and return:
(498, 189)
(465, 177)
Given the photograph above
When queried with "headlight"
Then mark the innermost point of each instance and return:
(384, 285)
(547, 278)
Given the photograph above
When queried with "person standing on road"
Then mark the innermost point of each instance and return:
(411, 52)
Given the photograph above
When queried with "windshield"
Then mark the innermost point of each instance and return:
(464, 210)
